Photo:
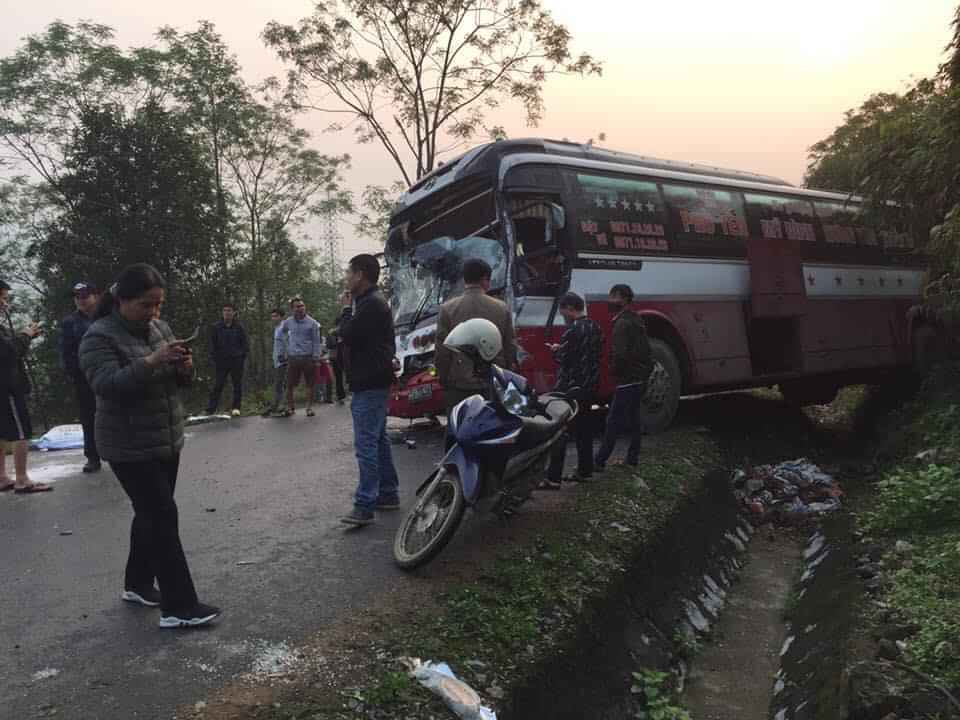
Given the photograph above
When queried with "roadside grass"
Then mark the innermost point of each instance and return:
(917, 512)
(494, 629)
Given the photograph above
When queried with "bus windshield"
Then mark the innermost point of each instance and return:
(432, 272)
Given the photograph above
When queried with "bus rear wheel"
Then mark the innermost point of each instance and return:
(663, 387)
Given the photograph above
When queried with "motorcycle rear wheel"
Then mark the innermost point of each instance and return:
(431, 522)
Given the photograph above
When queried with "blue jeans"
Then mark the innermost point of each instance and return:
(378, 476)
(625, 417)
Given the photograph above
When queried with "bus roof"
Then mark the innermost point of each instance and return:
(487, 159)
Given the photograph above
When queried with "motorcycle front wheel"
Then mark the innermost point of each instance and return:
(431, 522)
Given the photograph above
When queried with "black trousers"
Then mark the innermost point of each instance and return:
(233, 368)
(581, 432)
(155, 549)
(87, 407)
(624, 418)
(338, 378)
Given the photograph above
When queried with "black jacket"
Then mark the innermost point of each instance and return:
(579, 356)
(13, 372)
(73, 328)
(139, 413)
(630, 358)
(228, 343)
(367, 332)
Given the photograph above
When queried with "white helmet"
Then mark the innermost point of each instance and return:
(480, 334)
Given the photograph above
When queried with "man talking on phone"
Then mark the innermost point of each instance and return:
(455, 370)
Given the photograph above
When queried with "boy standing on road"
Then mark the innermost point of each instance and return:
(85, 297)
(304, 350)
(630, 365)
(578, 355)
(279, 362)
(229, 346)
(366, 328)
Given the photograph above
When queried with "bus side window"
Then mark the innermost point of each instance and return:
(707, 221)
(778, 217)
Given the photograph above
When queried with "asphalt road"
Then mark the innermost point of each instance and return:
(259, 506)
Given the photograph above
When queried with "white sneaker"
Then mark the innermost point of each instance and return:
(149, 598)
(200, 615)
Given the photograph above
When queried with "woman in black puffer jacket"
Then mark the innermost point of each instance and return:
(136, 370)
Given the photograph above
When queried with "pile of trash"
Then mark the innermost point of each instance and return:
(789, 492)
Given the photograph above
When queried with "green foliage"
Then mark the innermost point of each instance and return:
(161, 154)
(417, 75)
(657, 697)
(927, 593)
(393, 688)
(920, 505)
(917, 500)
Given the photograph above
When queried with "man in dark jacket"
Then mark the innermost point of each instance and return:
(85, 297)
(229, 346)
(578, 355)
(366, 329)
(630, 365)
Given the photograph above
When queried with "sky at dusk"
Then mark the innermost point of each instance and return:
(749, 84)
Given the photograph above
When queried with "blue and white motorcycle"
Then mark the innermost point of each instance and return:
(498, 453)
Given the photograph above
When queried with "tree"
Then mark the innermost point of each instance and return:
(204, 77)
(53, 79)
(418, 76)
(278, 180)
(141, 192)
(905, 148)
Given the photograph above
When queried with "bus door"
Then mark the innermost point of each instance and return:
(778, 303)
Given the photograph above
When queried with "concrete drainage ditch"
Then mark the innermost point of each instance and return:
(657, 614)
(667, 607)
(811, 683)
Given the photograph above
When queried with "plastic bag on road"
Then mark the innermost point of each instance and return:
(462, 699)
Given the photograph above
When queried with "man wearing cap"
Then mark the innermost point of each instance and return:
(85, 297)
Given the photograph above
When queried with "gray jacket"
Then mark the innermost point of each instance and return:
(139, 413)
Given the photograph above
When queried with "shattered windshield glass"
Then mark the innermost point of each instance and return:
(433, 273)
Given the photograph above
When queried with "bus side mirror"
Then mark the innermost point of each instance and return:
(558, 216)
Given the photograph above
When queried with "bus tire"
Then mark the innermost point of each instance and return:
(663, 387)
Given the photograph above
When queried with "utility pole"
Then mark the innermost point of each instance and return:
(330, 242)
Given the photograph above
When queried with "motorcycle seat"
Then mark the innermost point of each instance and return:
(547, 422)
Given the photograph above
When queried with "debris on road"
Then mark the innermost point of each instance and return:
(462, 699)
(247, 562)
(45, 674)
(788, 492)
(203, 419)
(66, 532)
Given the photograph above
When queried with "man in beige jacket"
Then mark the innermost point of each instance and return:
(456, 370)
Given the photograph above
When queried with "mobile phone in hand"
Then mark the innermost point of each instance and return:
(186, 342)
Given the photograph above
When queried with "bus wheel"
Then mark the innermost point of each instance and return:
(663, 387)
